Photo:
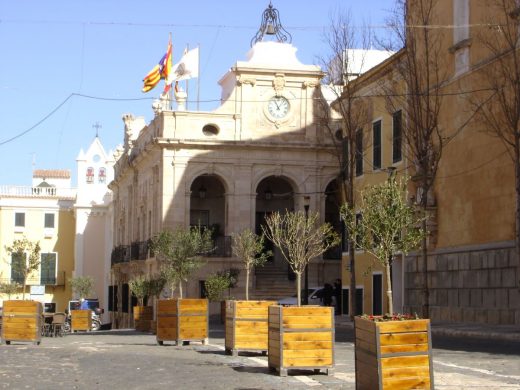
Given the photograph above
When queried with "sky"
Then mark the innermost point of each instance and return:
(66, 65)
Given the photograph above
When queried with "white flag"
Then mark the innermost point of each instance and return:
(186, 68)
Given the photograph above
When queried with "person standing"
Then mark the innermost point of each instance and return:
(328, 292)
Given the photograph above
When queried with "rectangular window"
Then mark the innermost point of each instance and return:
(19, 220)
(397, 138)
(376, 148)
(18, 264)
(48, 268)
(359, 152)
(49, 221)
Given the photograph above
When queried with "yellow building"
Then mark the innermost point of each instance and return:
(43, 213)
(472, 268)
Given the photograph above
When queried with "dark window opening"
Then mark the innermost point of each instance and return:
(376, 148)
(359, 152)
(397, 137)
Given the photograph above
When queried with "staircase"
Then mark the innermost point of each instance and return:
(272, 284)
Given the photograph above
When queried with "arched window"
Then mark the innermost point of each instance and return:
(90, 175)
(102, 177)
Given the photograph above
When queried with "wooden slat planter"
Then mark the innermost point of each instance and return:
(80, 320)
(301, 338)
(246, 326)
(182, 320)
(22, 321)
(143, 316)
(393, 354)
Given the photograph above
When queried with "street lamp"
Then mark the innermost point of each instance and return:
(306, 204)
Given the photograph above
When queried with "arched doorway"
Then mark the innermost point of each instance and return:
(208, 209)
(274, 193)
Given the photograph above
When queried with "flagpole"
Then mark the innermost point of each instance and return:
(170, 92)
(187, 85)
(198, 79)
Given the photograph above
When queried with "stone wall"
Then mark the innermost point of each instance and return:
(472, 284)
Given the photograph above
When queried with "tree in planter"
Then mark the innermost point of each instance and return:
(388, 225)
(215, 286)
(140, 288)
(180, 253)
(249, 247)
(156, 285)
(82, 286)
(9, 289)
(21, 264)
(300, 239)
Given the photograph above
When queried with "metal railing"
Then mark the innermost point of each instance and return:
(139, 250)
(222, 245)
(120, 254)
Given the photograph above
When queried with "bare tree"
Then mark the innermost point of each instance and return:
(25, 258)
(349, 112)
(419, 74)
(389, 225)
(498, 110)
(250, 248)
(300, 239)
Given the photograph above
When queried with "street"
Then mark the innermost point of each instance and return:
(125, 359)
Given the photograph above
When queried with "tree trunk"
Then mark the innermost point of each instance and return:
(180, 289)
(247, 284)
(389, 289)
(299, 288)
(424, 260)
(517, 188)
(24, 286)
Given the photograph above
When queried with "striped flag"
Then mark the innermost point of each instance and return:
(160, 71)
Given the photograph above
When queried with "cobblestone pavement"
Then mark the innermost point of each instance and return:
(131, 360)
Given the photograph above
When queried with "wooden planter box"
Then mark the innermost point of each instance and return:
(22, 321)
(393, 354)
(143, 316)
(301, 338)
(80, 320)
(182, 320)
(246, 326)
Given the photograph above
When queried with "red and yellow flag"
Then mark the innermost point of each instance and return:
(160, 71)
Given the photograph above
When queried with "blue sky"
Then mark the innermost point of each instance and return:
(103, 48)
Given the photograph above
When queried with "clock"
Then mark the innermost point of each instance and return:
(278, 107)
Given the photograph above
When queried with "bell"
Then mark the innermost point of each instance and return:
(269, 30)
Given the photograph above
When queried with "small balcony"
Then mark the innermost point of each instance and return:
(121, 254)
(139, 250)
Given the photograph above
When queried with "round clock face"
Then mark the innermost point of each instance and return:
(278, 107)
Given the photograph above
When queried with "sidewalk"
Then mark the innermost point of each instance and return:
(470, 330)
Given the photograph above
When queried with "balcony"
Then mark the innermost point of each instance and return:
(139, 250)
(222, 245)
(120, 254)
